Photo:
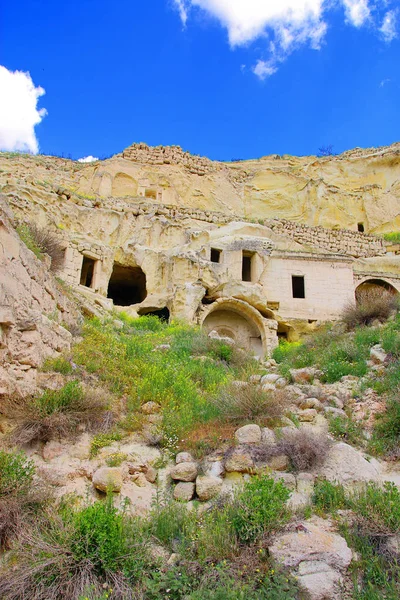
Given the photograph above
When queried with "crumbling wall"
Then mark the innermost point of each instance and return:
(170, 155)
(343, 241)
(31, 312)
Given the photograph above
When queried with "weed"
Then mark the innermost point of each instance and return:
(102, 440)
(372, 303)
(304, 448)
(57, 413)
(347, 429)
(250, 403)
(258, 508)
(41, 241)
(58, 365)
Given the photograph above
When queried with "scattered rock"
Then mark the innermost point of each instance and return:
(239, 460)
(150, 408)
(108, 478)
(377, 354)
(304, 375)
(308, 415)
(311, 403)
(248, 434)
(278, 463)
(184, 491)
(268, 436)
(208, 487)
(182, 457)
(186, 471)
(52, 450)
(318, 580)
(281, 383)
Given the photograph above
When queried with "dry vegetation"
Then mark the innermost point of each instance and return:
(375, 303)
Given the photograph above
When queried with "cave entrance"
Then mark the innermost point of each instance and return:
(87, 272)
(127, 285)
(162, 313)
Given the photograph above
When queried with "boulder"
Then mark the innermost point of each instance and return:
(308, 415)
(268, 436)
(346, 465)
(281, 383)
(239, 460)
(108, 479)
(150, 408)
(248, 434)
(377, 354)
(184, 491)
(304, 375)
(311, 403)
(183, 457)
(270, 378)
(208, 487)
(280, 462)
(51, 450)
(311, 540)
(318, 580)
(140, 479)
(186, 471)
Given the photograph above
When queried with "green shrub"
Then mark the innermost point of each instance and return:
(170, 522)
(347, 429)
(329, 497)
(59, 365)
(102, 440)
(20, 495)
(16, 473)
(393, 236)
(386, 433)
(68, 553)
(259, 507)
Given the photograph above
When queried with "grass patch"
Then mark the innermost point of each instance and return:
(184, 379)
(58, 413)
(41, 241)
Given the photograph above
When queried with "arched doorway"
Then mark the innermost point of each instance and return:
(241, 322)
(375, 286)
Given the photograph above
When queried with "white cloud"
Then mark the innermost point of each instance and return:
(287, 24)
(87, 159)
(181, 6)
(357, 11)
(264, 69)
(18, 111)
(388, 29)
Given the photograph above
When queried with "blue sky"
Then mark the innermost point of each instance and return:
(225, 79)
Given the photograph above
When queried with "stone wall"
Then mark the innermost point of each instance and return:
(349, 243)
(170, 155)
(32, 309)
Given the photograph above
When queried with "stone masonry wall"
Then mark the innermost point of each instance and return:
(167, 155)
(350, 243)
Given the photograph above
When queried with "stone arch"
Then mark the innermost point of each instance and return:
(376, 283)
(124, 185)
(236, 319)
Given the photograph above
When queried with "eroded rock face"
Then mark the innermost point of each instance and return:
(31, 310)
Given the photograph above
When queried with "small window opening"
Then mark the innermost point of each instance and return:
(360, 227)
(247, 266)
(127, 285)
(150, 193)
(298, 287)
(215, 255)
(87, 271)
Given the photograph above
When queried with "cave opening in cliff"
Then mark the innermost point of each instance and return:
(162, 313)
(87, 271)
(127, 285)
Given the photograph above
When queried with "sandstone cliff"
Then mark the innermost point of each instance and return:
(357, 187)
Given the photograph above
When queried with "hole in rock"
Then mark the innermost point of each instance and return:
(87, 271)
(127, 285)
(162, 313)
